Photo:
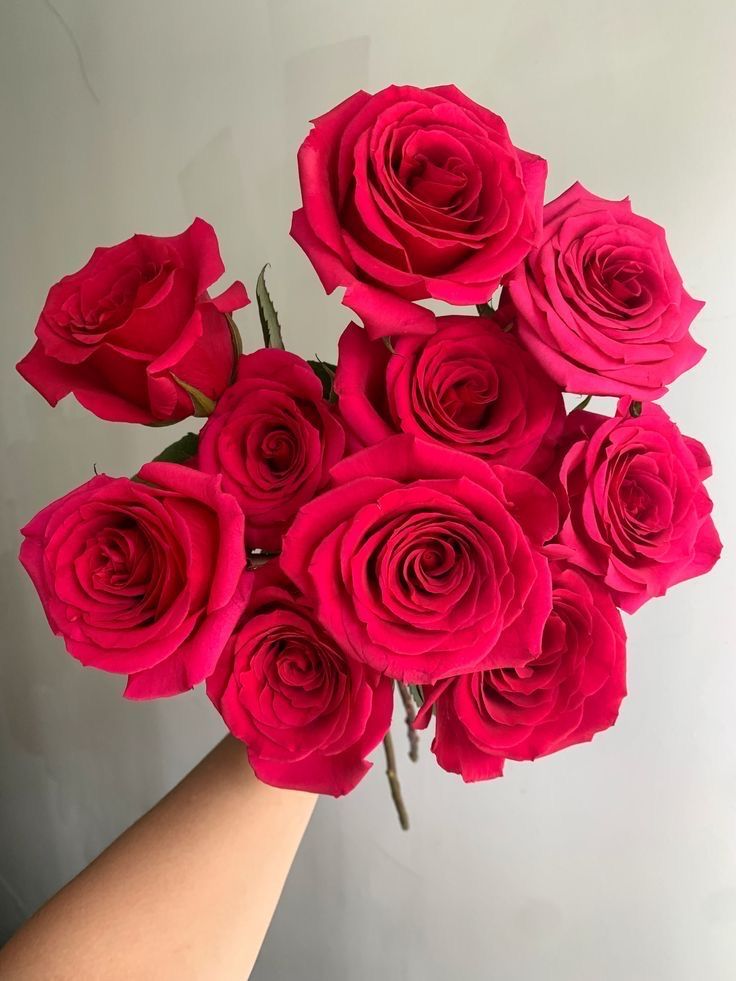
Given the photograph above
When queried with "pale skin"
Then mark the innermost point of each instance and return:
(186, 893)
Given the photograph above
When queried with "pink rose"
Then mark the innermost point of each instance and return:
(423, 562)
(638, 514)
(415, 193)
(308, 714)
(142, 578)
(565, 695)
(600, 302)
(135, 327)
(273, 437)
(468, 386)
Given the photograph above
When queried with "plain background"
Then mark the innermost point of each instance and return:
(613, 861)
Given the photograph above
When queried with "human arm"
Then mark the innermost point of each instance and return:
(187, 892)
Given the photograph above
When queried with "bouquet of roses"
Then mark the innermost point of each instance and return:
(424, 515)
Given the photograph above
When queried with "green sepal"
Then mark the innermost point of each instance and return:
(582, 405)
(237, 343)
(326, 374)
(416, 694)
(203, 404)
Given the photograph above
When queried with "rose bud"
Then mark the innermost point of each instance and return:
(134, 335)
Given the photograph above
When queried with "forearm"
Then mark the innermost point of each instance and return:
(186, 892)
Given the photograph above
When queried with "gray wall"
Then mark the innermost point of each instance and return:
(612, 862)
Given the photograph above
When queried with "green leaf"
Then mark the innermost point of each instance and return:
(180, 451)
(326, 374)
(416, 694)
(203, 404)
(583, 404)
(635, 409)
(267, 312)
(484, 309)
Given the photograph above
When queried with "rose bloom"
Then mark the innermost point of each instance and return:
(638, 514)
(423, 562)
(468, 386)
(273, 437)
(308, 713)
(564, 695)
(135, 326)
(142, 578)
(414, 193)
(600, 302)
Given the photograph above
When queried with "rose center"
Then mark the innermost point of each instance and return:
(619, 280)
(90, 313)
(297, 665)
(647, 503)
(437, 179)
(636, 502)
(120, 561)
(279, 450)
(426, 560)
(469, 401)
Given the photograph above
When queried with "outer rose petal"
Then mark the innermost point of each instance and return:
(334, 776)
(195, 660)
(456, 753)
(32, 549)
(47, 376)
(360, 382)
(385, 315)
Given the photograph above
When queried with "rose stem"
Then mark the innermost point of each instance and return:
(393, 782)
(411, 714)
